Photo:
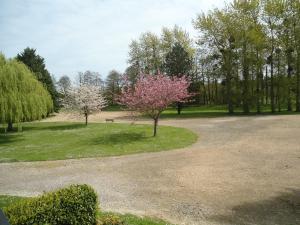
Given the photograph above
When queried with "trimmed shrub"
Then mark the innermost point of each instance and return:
(74, 205)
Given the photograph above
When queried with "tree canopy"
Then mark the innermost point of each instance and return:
(147, 54)
(254, 46)
(22, 96)
(36, 64)
(112, 86)
(152, 94)
(178, 61)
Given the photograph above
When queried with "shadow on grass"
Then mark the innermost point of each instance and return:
(283, 209)
(119, 138)
(54, 127)
(6, 138)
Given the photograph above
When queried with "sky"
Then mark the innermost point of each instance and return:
(78, 35)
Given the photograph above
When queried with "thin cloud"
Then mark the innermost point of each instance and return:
(93, 35)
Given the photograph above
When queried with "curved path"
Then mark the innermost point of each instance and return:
(242, 170)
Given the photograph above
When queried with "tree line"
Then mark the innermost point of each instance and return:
(247, 55)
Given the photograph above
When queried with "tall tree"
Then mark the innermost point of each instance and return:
(64, 85)
(22, 97)
(271, 11)
(169, 37)
(250, 42)
(112, 86)
(147, 54)
(178, 63)
(296, 27)
(90, 78)
(36, 64)
(259, 44)
(217, 30)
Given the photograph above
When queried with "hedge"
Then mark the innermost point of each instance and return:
(74, 205)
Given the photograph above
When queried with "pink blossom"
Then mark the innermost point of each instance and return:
(152, 94)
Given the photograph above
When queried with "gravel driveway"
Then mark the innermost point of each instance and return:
(241, 171)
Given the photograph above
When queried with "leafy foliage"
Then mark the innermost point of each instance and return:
(87, 98)
(178, 61)
(113, 86)
(36, 64)
(251, 47)
(76, 204)
(152, 94)
(22, 97)
(147, 54)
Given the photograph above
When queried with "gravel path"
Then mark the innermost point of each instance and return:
(241, 171)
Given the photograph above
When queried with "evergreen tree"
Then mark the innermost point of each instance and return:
(178, 63)
(112, 86)
(36, 64)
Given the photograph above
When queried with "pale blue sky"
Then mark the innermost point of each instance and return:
(79, 35)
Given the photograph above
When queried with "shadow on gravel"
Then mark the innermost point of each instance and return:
(281, 210)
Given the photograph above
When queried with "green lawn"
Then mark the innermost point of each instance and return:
(128, 219)
(6, 200)
(54, 141)
(216, 111)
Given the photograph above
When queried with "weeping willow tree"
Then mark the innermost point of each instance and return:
(22, 97)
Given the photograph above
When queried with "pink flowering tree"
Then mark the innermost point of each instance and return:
(152, 94)
(86, 98)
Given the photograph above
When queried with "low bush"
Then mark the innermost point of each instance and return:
(75, 205)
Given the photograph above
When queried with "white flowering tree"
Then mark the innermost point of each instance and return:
(86, 98)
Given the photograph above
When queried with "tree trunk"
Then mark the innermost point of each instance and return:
(216, 92)
(278, 84)
(204, 90)
(228, 83)
(298, 83)
(86, 119)
(289, 97)
(272, 85)
(267, 87)
(245, 81)
(258, 79)
(155, 127)
(179, 108)
(208, 90)
(229, 97)
(10, 126)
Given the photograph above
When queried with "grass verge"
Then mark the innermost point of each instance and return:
(213, 111)
(54, 141)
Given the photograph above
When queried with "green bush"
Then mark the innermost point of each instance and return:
(76, 204)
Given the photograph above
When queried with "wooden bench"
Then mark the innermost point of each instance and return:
(109, 120)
